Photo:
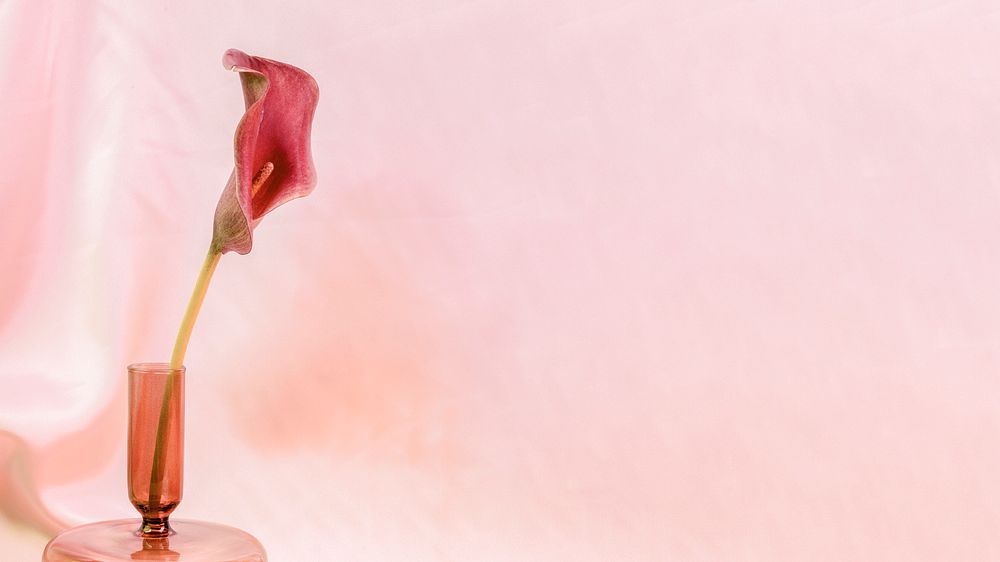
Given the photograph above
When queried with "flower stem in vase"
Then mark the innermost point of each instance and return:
(176, 361)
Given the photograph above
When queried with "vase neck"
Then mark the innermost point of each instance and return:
(154, 527)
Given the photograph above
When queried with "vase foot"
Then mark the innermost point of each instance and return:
(117, 541)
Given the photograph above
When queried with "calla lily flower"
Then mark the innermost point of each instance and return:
(273, 158)
(273, 165)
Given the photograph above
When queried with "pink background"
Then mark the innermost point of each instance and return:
(666, 280)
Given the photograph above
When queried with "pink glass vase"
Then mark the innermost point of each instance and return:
(155, 466)
(155, 485)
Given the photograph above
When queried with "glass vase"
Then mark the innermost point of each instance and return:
(155, 466)
(155, 485)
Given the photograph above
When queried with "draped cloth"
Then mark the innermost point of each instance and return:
(596, 280)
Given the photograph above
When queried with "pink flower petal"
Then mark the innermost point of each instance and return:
(272, 153)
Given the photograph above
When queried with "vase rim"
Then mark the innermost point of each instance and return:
(154, 368)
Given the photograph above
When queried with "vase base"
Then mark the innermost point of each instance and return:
(117, 541)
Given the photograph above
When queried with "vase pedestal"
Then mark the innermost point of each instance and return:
(119, 541)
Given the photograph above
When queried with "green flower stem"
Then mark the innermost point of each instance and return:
(194, 306)
(176, 361)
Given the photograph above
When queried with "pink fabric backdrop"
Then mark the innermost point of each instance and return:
(671, 280)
